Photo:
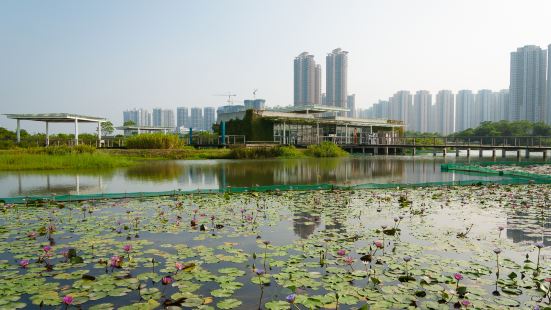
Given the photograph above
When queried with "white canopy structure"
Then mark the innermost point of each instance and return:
(56, 118)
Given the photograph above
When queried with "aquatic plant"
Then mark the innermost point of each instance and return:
(221, 270)
(539, 246)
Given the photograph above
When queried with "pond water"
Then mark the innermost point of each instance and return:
(389, 249)
(215, 174)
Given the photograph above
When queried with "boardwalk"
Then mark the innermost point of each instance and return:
(443, 145)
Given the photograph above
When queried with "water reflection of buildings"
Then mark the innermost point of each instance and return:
(528, 225)
(55, 184)
(308, 171)
(217, 174)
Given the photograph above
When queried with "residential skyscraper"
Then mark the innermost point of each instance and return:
(528, 84)
(484, 103)
(381, 109)
(549, 84)
(336, 70)
(196, 119)
(464, 101)
(163, 118)
(420, 116)
(140, 117)
(182, 117)
(157, 117)
(351, 105)
(168, 118)
(444, 112)
(307, 80)
(209, 118)
(501, 105)
(400, 107)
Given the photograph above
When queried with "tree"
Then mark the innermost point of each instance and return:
(129, 123)
(107, 128)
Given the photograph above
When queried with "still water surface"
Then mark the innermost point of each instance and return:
(215, 174)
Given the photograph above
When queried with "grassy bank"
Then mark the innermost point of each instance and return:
(26, 161)
(85, 157)
(181, 153)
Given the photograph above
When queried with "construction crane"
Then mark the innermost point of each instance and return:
(229, 95)
(254, 93)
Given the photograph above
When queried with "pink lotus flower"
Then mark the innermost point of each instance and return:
(116, 261)
(349, 260)
(167, 280)
(179, 266)
(548, 280)
(24, 263)
(127, 248)
(341, 252)
(68, 299)
(31, 235)
(465, 303)
(458, 276)
(378, 243)
(47, 248)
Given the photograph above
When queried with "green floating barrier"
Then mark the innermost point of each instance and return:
(525, 179)
(481, 168)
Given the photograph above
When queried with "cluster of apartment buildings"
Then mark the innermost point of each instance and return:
(198, 119)
(307, 82)
(447, 113)
(528, 98)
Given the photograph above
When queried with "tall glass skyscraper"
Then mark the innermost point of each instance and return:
(528, 84)
(182, 117)
(307, 80)
(420, 116)
(336, 78)
(464, 101)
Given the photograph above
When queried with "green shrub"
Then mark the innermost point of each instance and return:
(154, 141)
(325, 149)
(253, 153)
(289, 152)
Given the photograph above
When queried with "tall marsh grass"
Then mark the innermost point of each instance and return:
(154, 141)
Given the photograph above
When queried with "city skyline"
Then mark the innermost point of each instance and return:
(123, 62)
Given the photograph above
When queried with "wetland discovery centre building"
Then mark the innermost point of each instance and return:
(310, 124)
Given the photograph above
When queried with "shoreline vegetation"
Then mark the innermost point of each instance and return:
(86, 157)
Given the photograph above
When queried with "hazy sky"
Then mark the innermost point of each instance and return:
(101, 57)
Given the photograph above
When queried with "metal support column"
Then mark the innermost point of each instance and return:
(223, 133)
(99, 134)
(47, 134)
(284, 133)
(318, 132)
(18, 131)
(76, 131)
(346, 133)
